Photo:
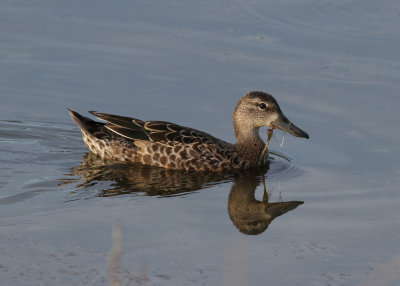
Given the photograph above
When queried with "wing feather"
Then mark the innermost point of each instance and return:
(155, 131)
(129, 133)
(122, 121)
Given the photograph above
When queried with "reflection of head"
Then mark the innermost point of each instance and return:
(249, 215)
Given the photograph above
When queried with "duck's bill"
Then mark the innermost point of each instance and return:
(284, 124)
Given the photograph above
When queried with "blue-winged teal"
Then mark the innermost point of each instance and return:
(168, 145)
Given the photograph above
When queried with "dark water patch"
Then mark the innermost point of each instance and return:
(13, 121)
(13, 199)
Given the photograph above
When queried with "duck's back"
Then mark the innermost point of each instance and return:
(156, 143)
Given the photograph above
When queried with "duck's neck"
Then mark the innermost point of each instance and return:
(248, 142)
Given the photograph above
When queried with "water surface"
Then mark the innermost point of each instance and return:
(328, 217)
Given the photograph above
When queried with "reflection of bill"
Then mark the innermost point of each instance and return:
(249, 215)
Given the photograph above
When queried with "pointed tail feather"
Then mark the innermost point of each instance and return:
(85, 123)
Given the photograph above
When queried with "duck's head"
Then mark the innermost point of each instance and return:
(257, 109)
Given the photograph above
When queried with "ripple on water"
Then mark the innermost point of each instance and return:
(281, 171)
(328, 18)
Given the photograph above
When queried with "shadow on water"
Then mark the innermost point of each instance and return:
(249, 215)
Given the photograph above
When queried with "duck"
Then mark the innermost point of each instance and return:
(172, 146)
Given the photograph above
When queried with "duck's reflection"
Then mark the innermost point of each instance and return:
(249, 215)
(136, 178)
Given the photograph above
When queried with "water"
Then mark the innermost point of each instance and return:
(333, 67)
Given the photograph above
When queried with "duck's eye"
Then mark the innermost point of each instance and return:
(262, 105)
(254, 223)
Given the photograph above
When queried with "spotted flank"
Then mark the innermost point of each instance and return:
(168, 145)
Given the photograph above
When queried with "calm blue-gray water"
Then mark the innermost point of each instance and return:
(330, 215)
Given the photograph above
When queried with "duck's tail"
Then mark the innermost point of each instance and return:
(86, 124)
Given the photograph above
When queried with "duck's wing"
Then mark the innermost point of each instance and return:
(155, 131)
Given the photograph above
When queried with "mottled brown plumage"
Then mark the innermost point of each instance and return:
(168, 145)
